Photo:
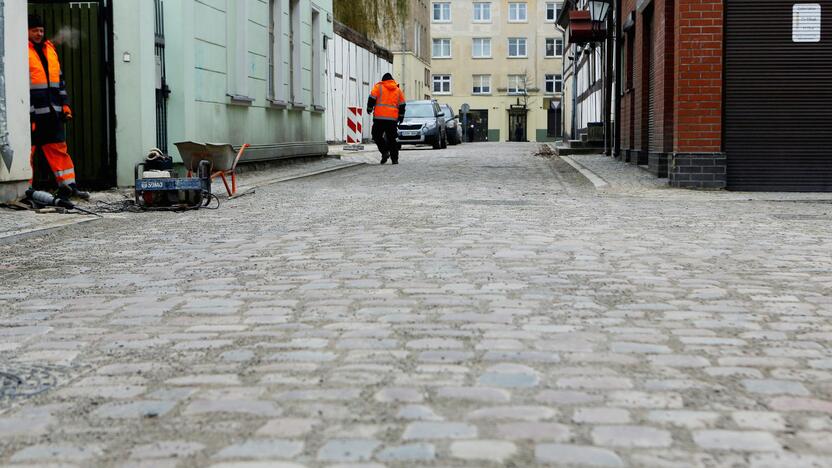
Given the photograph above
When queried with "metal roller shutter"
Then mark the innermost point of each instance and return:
(778, 98)
(651, 83)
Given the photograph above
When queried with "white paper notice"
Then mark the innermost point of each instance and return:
(806, 22)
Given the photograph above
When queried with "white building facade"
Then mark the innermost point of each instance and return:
(15, 142)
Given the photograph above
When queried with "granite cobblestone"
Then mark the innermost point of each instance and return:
(471, 306)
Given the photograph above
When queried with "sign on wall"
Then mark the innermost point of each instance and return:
(806, 22)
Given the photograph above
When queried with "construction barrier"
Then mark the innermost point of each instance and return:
(355, 129)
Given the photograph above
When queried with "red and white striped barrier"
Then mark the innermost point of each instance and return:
(355, 130)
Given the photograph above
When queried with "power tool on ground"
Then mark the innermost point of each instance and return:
(43, 199)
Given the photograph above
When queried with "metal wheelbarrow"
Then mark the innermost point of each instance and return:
(223, 159)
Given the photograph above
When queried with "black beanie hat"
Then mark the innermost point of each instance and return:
(35, 21)
(387, 77)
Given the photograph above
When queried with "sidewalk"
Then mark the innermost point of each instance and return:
(625, 179)
(16, 225)
(249, 181)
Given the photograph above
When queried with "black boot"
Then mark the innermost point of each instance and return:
(64, 193)
(384, 157)
(395, 158)
(78, 193)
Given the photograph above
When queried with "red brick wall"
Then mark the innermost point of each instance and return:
(628, 101)
(665, 70)
(687, 39)
(699, 51)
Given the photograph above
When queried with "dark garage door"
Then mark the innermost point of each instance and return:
(778, 98)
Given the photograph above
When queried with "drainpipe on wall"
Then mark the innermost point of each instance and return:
(565, 55)
(609, 49)
(619, 24)
(575, 61)
(5, 149)
(404, 56)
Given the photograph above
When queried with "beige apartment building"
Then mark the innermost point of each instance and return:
(503, 59)
(411, 51)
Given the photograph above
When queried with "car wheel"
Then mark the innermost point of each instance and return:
(445, 140)
(437, 143)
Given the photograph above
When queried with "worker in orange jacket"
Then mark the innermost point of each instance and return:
(49, 109)
(387, 104)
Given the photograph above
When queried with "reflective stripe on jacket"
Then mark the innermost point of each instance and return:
(388, 98)
(47, 90)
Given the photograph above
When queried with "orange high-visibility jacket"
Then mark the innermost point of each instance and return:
(388, 98)
(47, 90)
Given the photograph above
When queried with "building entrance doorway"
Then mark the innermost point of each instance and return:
(554, 125)
(81, 33)
(477, 126)
(517, 128)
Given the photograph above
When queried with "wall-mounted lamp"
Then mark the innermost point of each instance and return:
(599, 9)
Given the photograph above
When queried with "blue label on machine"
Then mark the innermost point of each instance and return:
(151, 185)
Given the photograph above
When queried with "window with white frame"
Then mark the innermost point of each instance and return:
(237, 52)
(441, 48)
(482, 47)
(441, 12)
(552, 11)
(295, 45)
(517, 12)
(517, 47)
(317, 49)
(516, 84)
(271, 91)
(554, 84)
(417, 39)
(554, 47)
(280, 53)
(441, 84)
(482, 12)
(482, 84)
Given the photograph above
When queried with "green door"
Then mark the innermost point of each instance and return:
(78, 31)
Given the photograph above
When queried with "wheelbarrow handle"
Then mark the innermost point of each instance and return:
(239, 155)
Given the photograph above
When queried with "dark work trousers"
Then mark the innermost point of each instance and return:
(385, 133)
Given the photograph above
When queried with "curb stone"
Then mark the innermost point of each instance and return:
(596, 180)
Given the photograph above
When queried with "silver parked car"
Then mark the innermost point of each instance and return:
(452, 125)
(423, 124)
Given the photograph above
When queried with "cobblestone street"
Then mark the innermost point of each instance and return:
(475, 306)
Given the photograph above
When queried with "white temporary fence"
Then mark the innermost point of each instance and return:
(351, 73)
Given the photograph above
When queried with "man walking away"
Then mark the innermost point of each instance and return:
(388, 101)
(49, 110)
